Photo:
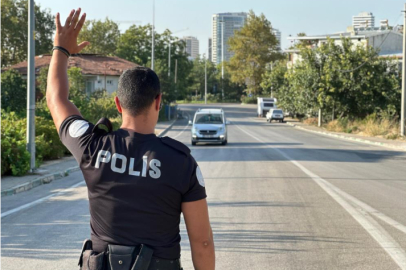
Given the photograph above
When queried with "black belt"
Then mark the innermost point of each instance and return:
(124, 258)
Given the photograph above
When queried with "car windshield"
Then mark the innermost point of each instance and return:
(209, 119)
(278, 111)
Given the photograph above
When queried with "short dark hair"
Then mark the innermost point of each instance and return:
(137, 89)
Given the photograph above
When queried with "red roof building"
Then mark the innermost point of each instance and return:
(100, 72)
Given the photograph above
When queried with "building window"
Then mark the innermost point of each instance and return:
(109, 82)
(99, 81)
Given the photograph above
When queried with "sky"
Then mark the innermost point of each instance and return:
(314, 17)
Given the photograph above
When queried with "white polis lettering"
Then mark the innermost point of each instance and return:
(103, 156)
(123, 158)
(155, 172)
(132, 172)
(144, 166)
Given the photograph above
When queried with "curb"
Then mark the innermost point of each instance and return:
(48, 178)
(354, 139)
(166, 129)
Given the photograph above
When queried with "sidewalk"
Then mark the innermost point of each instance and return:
(54, 170)
(394, 144)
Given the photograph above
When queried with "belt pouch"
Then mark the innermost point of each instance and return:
(96, 261)
(87, 249)
(143, 259)
(120, 257)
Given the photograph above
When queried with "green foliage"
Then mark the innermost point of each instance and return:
(249, 100)
(47, 142)
(14, 35)
(351, 81)
(13, 92)
(254, 47)
(102, 35)
(14, 156)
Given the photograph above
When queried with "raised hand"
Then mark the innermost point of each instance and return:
(67, 35)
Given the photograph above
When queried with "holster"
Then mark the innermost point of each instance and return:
(116, 258)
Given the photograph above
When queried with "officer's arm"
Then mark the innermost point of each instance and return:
(58, 86)
(200, 234)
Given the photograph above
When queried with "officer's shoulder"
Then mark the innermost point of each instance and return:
(176, 145)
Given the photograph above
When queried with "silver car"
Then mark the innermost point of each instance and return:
(209, 125)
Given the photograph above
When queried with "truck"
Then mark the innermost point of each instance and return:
(264, 105)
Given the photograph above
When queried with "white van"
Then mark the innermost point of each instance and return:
(265, 104)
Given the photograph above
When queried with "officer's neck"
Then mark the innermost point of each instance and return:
(143, 124)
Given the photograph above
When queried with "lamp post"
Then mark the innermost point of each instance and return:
(222, 59)
(31, 86)
(153, 36)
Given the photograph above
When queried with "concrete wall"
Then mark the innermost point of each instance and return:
(392, 44)
(94, 83)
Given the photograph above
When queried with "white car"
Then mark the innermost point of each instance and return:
(209, 125)
(275, 114)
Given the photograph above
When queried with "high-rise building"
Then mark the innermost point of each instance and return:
(192, 47)
(278, 35)
(364, 19)
(228, 23)
(210, 50)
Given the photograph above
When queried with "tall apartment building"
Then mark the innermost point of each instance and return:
(192, 47)
(364, 19)
(209, 49)
(278, 35)
(227, 22)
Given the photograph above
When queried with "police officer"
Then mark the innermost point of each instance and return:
(138, 184)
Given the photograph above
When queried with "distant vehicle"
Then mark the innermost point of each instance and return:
(275, 114)
(265, 104)
(209, 125)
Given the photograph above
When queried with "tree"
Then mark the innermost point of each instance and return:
(102, 35)
(254, 47)
(347, 80)
(14, 31)
(13, 92)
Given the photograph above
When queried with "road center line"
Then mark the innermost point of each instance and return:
(380, 235)
(31, 204)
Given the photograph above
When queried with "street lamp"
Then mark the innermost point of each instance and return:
(153, 35)
(205, 75)
(222, 59)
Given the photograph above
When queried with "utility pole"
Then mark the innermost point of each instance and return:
(205, 79)
(169, 61)
(153, 35)
(403, 101)
(222, 59)
(176, 70)
(31, 86)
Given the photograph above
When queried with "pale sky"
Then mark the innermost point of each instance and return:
(313, 17)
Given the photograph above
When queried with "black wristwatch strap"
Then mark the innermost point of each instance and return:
(62, 49)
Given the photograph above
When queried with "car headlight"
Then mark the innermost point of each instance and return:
(220, 129)
(194, 130)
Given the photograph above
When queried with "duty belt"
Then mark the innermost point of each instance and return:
(123, 258)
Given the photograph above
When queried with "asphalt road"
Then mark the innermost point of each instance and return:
(279, 198)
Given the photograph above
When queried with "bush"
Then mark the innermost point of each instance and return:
(99, 104)
(14, 156)
(48, 144)
(249, 100)
(15, 159)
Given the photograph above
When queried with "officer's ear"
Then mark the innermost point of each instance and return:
(158, 104)
(118, 105)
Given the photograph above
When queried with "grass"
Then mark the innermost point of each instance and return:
(370, 126)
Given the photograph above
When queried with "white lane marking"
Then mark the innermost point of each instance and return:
(187, 125)
(380, 235)
(31, 204)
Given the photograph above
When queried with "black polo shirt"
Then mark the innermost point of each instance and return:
(136, 185)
